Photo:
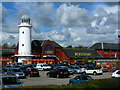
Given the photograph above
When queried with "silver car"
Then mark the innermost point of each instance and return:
(17, 72)
(76, 69)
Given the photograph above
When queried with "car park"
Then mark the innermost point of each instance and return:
(41, 66)
(80, 78)
(10, 81)
(31, 72)
(93, 70)
(17, 72)
(58, 72)
(116, 74)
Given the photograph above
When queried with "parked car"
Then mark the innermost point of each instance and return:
(10, 81)
(17, 66)
(5, 68)
(42, 66)
(33, 65)
(82, 67)
(31, 72)
(105, 69)
(58, 72)
(17, 63)
(116, 74)
(80, 78)
(17, 72)
(76, 69)
(71, 70)
(93, 70)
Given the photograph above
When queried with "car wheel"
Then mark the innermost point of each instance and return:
(75, 72)
(57, 76)
(48, 75)
(70, 82)
(94, 73)
(29, 75)
(84, 72)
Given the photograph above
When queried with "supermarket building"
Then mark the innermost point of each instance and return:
(46, 51)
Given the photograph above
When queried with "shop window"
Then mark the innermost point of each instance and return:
(48, 49)
(48, 52)
(113, 52)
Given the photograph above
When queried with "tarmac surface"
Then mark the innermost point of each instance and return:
(44, 80)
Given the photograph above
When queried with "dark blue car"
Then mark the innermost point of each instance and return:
(10, 81)
(80, 78)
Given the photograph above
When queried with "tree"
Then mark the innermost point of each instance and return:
(13, 46)
(81, 47)
(85, 59)
(70, 46)
(5, 46)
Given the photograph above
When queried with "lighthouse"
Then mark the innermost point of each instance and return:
(119, 43)
(24, 48)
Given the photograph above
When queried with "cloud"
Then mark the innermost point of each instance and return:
(105, 21)
(9, 38)
(67, 24)
(70, 15)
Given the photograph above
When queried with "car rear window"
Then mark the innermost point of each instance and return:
(63, 70)
(45, 65)
(16, 70)
(77, 68)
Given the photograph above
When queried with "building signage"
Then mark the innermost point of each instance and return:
(82, 54)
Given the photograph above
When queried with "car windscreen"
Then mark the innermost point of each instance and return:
(10, 80)
(45, 65)
(8, 66)
(16, 70)
(86, 78)
(33, 70)
(77, 68)
(71, 67)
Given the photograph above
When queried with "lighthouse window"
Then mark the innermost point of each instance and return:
(22, 44)
(23, 32)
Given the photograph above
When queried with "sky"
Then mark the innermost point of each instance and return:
(67, 23)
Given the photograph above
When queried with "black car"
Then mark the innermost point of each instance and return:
(10, 81)
(58, 72)
(31, 72)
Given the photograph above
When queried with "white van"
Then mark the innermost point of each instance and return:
(42, 66)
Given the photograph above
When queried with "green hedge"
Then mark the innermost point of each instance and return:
(96, 84)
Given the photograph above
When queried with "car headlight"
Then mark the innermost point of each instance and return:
(23, 74)
(17, 75)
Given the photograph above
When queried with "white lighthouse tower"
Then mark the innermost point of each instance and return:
(24, 48)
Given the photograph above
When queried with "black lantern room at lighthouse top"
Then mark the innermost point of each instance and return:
(25, 19)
